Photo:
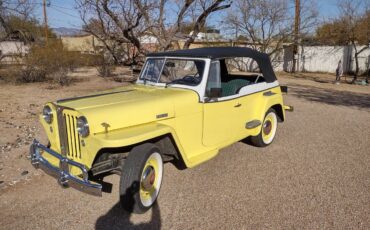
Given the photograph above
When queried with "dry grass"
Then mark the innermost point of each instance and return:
(46, 63)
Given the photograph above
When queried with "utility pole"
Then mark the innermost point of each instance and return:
(45, 22)
(297, 21)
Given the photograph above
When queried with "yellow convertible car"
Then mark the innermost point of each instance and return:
(185, 106)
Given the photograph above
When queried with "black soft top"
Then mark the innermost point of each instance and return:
(262, 59)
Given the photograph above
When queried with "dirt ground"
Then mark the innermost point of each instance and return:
(316, 174)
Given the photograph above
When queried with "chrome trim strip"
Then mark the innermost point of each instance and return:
(65, 179)
(63, 136)
(89, 96)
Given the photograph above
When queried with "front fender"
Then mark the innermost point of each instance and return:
(134, 135)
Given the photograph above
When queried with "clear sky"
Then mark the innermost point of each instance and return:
(62, 13)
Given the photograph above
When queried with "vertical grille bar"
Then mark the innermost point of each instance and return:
(77, 140)
(75, 135)
(73, 138)
(72, 135)
(62, 131)
(68, 126)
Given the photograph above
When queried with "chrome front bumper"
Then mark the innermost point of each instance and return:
(65, 179)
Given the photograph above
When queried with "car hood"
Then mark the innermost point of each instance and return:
(128, 106)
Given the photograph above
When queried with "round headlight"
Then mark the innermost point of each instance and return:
(83, 126)
(47, 114)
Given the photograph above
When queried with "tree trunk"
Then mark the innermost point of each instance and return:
(5, 25)
(201, 20)
(357, 68)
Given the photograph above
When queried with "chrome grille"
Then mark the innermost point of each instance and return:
(73, 138)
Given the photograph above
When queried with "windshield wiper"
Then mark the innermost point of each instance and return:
(171, 83)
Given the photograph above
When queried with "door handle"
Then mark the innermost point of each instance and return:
(237, 105)
(268, 93)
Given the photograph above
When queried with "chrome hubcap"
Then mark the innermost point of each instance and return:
(267, 126)
(148, 178)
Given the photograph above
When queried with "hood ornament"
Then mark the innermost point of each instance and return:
(106, 126)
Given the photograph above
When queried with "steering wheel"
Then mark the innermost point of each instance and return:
(192, 79)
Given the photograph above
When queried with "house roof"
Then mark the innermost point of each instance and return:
(262, 59)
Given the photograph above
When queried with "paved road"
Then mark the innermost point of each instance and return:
(315, 175)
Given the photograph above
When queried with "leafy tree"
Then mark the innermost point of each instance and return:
(16, 19)
(13, 8)
(28, 29)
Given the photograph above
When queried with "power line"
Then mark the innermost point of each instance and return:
(60, 11)
(62, 7)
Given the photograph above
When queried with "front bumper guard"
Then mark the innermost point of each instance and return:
(65, 179)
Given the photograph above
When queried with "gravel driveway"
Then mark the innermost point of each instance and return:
(316, 174)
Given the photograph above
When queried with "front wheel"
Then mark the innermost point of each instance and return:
(268, 130)
(141, 178)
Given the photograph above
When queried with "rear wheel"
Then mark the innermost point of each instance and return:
(268, 130)
(141, 178)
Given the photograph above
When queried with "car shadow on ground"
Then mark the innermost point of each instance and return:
(117, 218)
(312, 78)
(330, 96)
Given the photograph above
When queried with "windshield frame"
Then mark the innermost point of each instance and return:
(199, 89)
(141, 78)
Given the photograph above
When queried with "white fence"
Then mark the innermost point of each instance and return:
(310, 58)
(323, 59)
(10, 51)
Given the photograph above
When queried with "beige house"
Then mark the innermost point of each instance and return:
(83, 44)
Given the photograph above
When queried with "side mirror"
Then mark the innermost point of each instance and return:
(215, 92)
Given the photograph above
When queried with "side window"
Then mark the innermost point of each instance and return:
(214, 78)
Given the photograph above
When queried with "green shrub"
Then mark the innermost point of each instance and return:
(51, 62)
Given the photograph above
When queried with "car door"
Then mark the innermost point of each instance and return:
(219, 113)
(219, 122)
(250, 117)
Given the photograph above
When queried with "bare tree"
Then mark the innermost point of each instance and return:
(207, 8)
(116, 22)
(158, 24)
(267, 24)
(194, 12)
(355, 26)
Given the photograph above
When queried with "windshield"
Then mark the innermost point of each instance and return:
(173, 71)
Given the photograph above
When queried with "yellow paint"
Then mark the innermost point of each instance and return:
(199, 129)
